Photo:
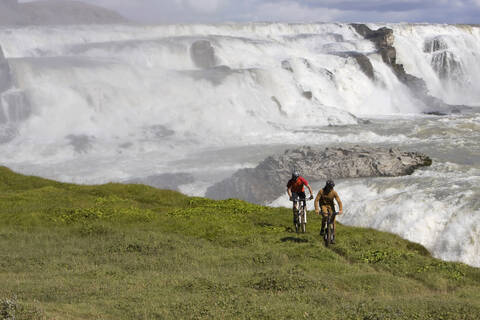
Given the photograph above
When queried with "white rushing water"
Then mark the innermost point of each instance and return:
(92, 104)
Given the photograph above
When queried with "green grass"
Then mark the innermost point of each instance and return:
(135, 252)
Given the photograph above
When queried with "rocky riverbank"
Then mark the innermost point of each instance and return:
(268, 180)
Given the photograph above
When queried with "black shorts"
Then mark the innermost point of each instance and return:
(299, 196)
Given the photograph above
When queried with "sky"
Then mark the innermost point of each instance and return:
(191, 11)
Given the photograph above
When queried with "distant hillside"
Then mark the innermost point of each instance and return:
(54, 12)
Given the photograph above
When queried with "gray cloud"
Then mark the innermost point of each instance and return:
(170, 11)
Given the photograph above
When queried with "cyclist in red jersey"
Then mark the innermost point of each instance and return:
(296, 189)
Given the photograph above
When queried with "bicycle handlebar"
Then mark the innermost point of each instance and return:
(298, 199)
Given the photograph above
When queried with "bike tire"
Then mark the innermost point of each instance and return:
(328, 232)
(295, 219)
(304, 220)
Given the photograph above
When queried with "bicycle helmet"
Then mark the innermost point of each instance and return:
(295, 174)
(330, 183)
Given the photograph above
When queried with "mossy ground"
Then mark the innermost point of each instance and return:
(135, 252)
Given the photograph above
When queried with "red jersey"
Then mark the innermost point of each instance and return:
(297, 185)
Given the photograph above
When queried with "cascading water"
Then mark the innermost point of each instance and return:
(92, 104)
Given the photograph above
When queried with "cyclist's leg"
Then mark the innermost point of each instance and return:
(334, 219)
(324, 213)
(294, 211)
(295, 207)
(304, 206)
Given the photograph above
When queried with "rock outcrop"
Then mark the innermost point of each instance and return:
(268, 180)
(363, 61)
(55, 12)
(383, 39)
(203, 54)
(445, 63)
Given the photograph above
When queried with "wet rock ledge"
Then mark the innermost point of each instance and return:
(267, 181)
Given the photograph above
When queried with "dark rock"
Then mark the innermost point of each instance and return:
(268, 180)
(389, 55)
(447, 65)
(170, 181)
(329, 74)
(382, 37)
(435, 44)
(362, 60)
(279, 105)
(365, 65)
(435, 113)
(203, 54)
(307, 95)
(287, 66)
(361, 29)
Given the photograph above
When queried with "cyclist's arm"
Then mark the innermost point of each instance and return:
(339, 202)
(317, 199)
(310, 189)
(289, 191)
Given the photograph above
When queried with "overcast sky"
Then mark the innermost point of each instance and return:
(169, 11)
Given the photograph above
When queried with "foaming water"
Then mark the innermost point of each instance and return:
(438, 208)
(446, 57)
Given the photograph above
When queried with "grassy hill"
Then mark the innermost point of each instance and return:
(135, 252)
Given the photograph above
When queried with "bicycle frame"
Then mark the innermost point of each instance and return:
(329, 234)
(300, 214)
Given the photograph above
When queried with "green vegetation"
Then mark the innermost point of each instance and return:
(135, 252)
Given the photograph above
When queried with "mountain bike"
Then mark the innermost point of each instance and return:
(329, 234)
(300, 213)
